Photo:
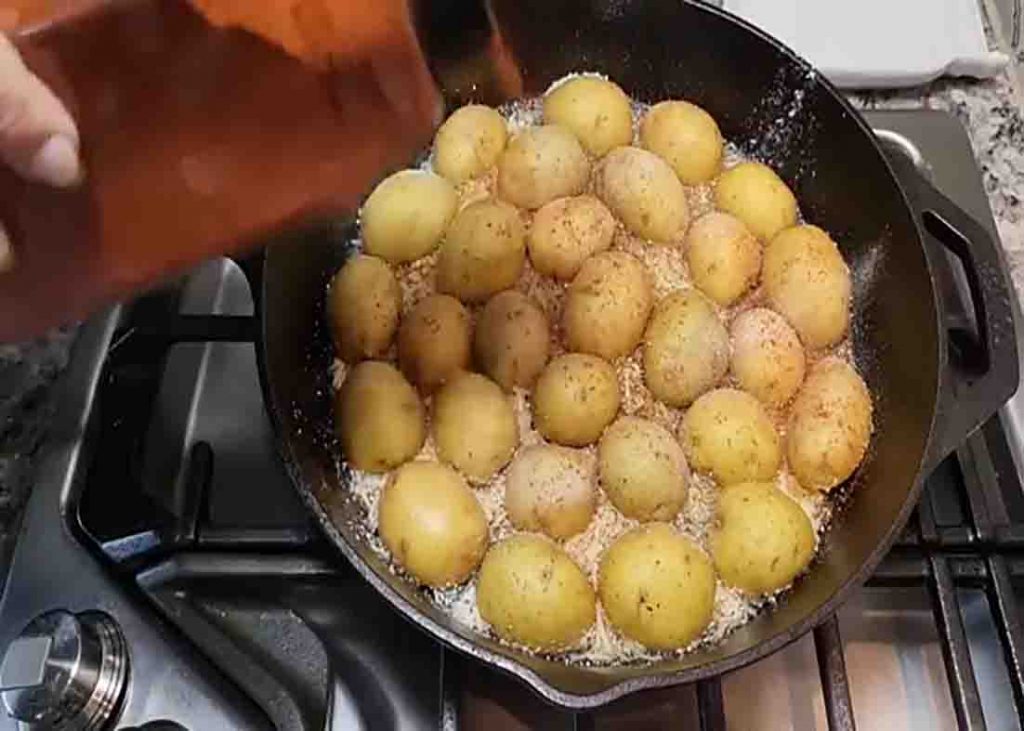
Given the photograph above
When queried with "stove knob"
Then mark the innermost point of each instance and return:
(65, 671)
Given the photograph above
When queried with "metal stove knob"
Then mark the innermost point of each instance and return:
(65, 671)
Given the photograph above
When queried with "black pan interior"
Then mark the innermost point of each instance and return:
(775, 108)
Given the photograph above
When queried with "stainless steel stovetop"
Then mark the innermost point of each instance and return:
(161, 511)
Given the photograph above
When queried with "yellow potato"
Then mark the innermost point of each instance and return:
(363, 302)
(757, 196)
(686, 137)
(644, 193)
(474, 426)
(829, 425)
(807, 281)
(483, 252)
(574, 399)
(550, 489)
(379, 417)
(767, 357)
(763, 538)
(531, 593)
(432, 523)
(469, 142)
(686, 348)
(433, 341)
(643, 469)
(657, 587)
(724, 257)
(567, 231)
(406, 215)
(596, 110)
(541, 164)
(728, 433)
(607, 305)
(511, 340)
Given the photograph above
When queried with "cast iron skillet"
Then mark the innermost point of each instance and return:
(934, 377)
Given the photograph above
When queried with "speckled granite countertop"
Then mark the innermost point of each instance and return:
(992, 111)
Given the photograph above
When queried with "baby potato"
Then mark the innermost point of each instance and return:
(474, 426)
(657, 587)
(829, 425)
(483, 252)
(541, 164)
(379, 417)
(807, 281)
(574, 399)
(686, 137)
(406, 215)
(763, 538)
(363, 302)
(432, 523)
(469, 142)
(433, 341)
(531, 593)
(643, 469)
(512, 340)
(644, 193)
(550, 489)
(728, 433)
(566, 232)
(767, 357)
(686, 348)
(757, 196)
(607, 305)
(596, 110)
(724, 257)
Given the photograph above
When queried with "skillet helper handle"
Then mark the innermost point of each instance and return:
(979, 377)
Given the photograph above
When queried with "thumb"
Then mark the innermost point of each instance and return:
(38, 138)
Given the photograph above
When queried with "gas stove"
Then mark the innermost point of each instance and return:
(164, 548)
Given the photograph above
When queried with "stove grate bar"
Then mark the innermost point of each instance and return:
(710, 704)
(1007, 620)
(835, 684)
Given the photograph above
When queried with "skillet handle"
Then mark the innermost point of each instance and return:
(980, 364)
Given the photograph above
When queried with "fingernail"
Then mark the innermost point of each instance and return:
(6, 252)
(57, 163)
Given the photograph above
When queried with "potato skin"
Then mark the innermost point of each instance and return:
(808, 282)
(657, 587)
(483, 252)
(469, 142)
(644, 193)
(829, 425)
(763, 538)
(643, 469)
(550, 489)
(686, 137)
(686, 348)
(433, 341)
(379, 417)
(596, 110)
(607, 305)
(753, 193)
(531, 593)
(574, 399)
(511, 340)
(363, 302)
(541, 164)
(728, 433)
(768, 360)
(724, 257)
(566, 232)
(406, 215)
(432, 523)
(474, 426)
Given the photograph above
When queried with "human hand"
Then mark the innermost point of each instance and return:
(38, 138)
